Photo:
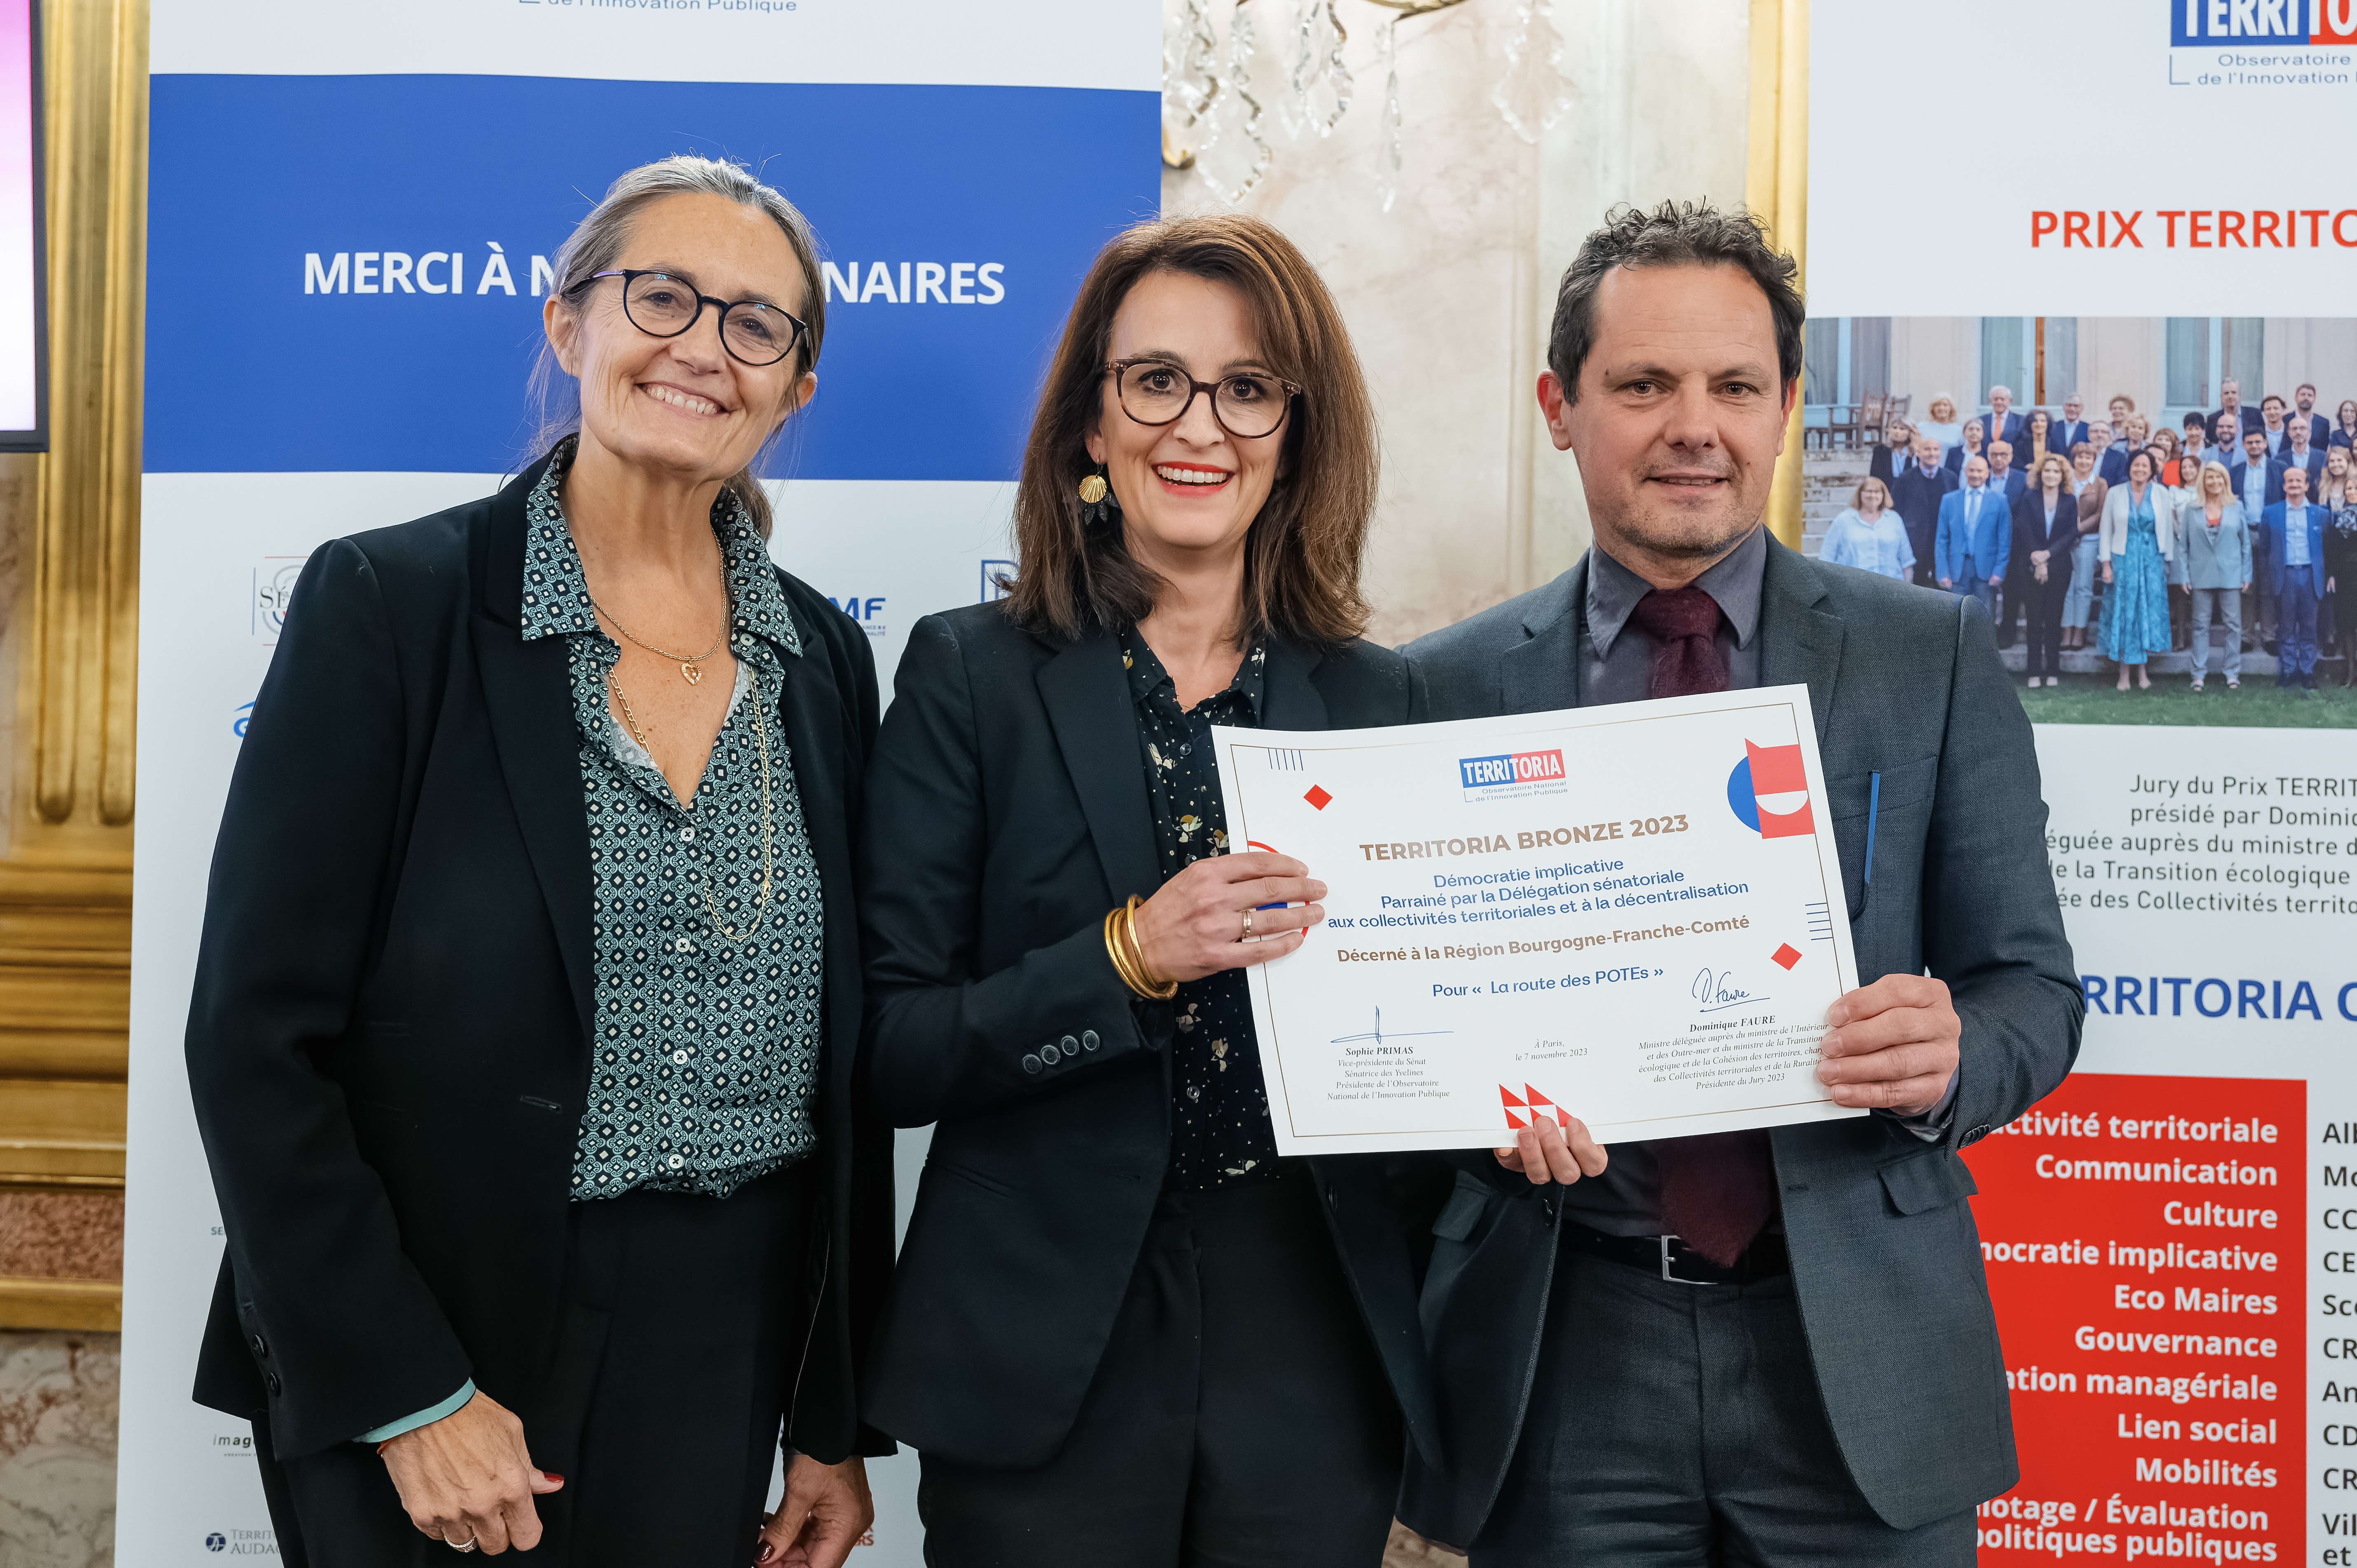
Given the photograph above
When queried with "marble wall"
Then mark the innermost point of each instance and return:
(1449, 294)
(58, 1399)
(58, 1390)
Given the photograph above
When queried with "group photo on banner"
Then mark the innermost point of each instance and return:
(1344, 784)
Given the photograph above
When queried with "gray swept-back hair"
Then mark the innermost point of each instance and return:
(597, 243)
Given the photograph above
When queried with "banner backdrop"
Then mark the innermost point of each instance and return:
(2171, 1239)
(352, 219)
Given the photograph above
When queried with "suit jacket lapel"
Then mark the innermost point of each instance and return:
(810, 709)
(527, 690)
(1288, 700)
(1089, 707)
(1800, 644)
(1542, 673)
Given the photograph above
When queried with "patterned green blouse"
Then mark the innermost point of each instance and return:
(706, 1044)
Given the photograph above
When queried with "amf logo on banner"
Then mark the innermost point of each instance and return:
(2281, 21)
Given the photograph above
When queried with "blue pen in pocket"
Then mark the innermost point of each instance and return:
(1873, 810)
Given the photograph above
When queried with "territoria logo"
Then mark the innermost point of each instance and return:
(2196, 22)
(1769, 791)
(1510, 768)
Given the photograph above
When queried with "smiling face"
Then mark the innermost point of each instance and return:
(1999, 400)
(2295, 485)
(1188, 488)
(2071, 408)
(1971, 436)
(1680, 416)
(682, 406)
(2082, 463)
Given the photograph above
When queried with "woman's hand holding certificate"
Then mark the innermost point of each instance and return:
(1638, 912)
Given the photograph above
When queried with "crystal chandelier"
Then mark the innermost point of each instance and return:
(1216, 101)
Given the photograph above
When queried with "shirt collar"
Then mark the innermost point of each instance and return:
(556, 592)
(1733, 581)
(1149, 679)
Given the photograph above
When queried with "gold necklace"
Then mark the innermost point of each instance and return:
(691, 665)
(761, 907)
(630, 719)
(769, 839)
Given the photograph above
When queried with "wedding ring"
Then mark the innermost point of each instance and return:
(1247, 935)
(466, 1545)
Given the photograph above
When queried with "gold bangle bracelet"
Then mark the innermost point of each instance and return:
(1121, 960)
(1144, 981)
(1114, 952)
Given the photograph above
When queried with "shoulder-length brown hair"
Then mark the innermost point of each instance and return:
(1302, 555)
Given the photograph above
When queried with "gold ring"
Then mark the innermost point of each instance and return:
(1247, 935)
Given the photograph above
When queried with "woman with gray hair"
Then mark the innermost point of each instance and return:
(523, 1025)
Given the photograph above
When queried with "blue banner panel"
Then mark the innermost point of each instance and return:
(347, 273)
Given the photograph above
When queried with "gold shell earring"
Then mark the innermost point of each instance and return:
(1097, 502)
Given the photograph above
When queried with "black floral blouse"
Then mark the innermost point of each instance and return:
(1219, 1134)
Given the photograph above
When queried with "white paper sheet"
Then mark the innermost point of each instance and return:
(1630, 914)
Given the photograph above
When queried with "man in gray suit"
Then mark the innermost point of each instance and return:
(1773, 1347)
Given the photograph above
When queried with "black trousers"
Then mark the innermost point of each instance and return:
(2044, 602)
(669, 1371)
(1679, 1426)
(1239, 1417)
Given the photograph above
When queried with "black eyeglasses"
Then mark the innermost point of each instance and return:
(661, 305)
(1247, 405)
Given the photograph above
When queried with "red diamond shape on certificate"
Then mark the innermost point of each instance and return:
(1786, 956)
(1318, 797)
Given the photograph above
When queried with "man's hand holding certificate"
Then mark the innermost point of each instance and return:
(1630, 914)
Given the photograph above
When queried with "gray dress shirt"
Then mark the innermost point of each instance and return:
(1626, 1200)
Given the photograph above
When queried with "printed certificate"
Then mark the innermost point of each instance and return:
(1630, 914)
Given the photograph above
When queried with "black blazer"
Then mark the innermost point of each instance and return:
(2030, 534)
(1006, 813)
(1917, 500)
(388, 1042)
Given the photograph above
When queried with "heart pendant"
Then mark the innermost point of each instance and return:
(692, 674)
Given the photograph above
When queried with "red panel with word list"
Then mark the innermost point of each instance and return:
(2144, 1242)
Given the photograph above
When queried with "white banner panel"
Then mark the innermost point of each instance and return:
(2104, 161)
(346, 347)
(2167, 1236)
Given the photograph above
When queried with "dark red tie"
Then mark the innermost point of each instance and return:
(1717, 1189)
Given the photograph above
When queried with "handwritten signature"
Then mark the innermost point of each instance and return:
(1715, 995)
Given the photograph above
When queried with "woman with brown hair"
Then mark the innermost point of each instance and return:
(1123, 1330)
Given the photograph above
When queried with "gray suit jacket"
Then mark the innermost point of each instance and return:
(2226, 563)
(1886, 1260)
